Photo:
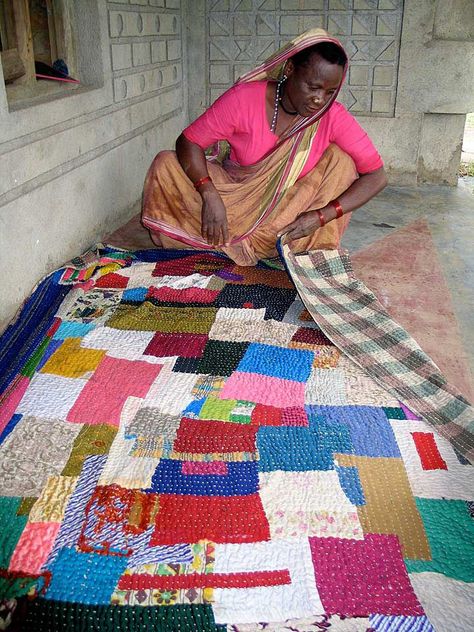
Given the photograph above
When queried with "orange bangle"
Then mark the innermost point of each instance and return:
(322, 219)
(338, 207)
(201, 181)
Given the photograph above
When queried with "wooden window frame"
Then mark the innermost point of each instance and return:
(16, 34)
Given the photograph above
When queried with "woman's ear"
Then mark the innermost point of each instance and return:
(289, 68)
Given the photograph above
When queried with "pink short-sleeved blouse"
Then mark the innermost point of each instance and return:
(239, 116)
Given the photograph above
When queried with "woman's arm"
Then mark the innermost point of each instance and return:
(192, 159)
(361, 191)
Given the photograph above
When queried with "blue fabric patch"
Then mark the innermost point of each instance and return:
(135, 294)
(241, 480)
(50, 349)
(393, 623)
(193, 409)
(295, 449)
(370, 430)
(97, 576)
(288, 364)
(351, 485)
(71, 329)
(9, 427)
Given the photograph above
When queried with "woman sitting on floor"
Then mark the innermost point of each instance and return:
(299, 162)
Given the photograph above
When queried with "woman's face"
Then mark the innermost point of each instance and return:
(309, 87)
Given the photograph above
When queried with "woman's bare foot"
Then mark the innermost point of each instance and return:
(155, 237)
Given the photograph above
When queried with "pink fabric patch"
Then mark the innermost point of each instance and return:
(188, 295)
(33, 547)
(12, 400)
(263, 389)
(180, 344)
(102, 399)
(408, 413)
(358, 577)
(294, 416)
(202, 467)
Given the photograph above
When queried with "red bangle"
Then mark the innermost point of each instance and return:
(322, 219)
(338, 207)
(201, 181)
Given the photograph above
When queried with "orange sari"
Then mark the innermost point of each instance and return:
(260, 199)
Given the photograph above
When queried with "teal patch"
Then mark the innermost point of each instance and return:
(450, 532)
(11, 527)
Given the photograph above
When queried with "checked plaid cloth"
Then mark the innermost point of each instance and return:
(354, 320)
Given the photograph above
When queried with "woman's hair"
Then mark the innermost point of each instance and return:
(327, 50)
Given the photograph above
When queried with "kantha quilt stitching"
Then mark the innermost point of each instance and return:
(184, 449)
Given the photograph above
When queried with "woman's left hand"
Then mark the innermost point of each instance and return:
(304, 225)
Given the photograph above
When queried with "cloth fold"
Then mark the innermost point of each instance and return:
(354, 320)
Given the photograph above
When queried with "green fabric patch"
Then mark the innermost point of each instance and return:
(450, 532)
(11, 527)
(217, 409)
(26, 505)
(148, 317)
(44, 615)
(242, 412)
(30, 367)
(91, 440)
(393, 413)
(221, 358)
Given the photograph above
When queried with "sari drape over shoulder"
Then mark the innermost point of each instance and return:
(261, 198)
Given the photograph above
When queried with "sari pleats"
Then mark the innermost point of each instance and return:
(172, 207)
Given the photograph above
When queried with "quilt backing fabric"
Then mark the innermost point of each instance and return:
(183, 449)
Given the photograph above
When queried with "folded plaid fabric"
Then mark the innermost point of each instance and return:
(354, 320)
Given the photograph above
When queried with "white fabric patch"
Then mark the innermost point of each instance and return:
(457, 482)
(237, 313)
(119, 343)
(267, 603)
(326, 387)
(171, 392)
(50, 396)
(362, 390)
(448, 603)
(313, 503)
(121, 468)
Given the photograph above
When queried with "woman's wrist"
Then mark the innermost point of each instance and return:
(206, 189)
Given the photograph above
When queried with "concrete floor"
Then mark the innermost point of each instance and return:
(414, 248)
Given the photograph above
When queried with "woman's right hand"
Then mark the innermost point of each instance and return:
(214, 227)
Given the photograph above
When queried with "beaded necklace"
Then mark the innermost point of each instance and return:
(279, 101)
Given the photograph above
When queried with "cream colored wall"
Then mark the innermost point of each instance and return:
(72, 169)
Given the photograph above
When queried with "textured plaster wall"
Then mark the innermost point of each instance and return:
(72, 168)
(411, 80)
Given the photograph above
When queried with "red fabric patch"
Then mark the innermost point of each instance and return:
(221, 519)
(311, 336)
(112, 280)
(144, 581)
(205, 264)
(428, 451)
(214, 436)
(263, 415)
(188, 295)
(184, 345)
(54, 327)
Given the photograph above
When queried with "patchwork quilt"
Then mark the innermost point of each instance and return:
(182, 448)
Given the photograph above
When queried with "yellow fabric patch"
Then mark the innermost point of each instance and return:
(390, 506)
(71, 360)
(51, 505)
